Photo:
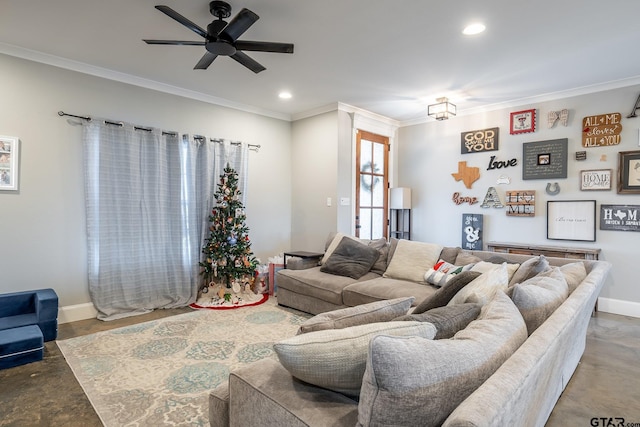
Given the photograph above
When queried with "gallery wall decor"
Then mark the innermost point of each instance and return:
(545, 159)
(478, 141)
(561, 116)
(629, 172)
(581, 155)
(520, 202)
(522, 122)
(620, 217)
(472, 232)
(636, 107)
(602, 130)
(552, 189)
(9, 163)
(459, 199)
(571, 220)
(499, 164)
(595, 180)
(467, 174)
(491, 199)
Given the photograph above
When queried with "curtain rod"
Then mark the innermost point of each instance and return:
(252, 147)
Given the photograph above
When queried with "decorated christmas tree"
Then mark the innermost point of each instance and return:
(229, 261)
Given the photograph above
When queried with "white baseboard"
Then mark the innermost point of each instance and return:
(616, 306)
(72, 313)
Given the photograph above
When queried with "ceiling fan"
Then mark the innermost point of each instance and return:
(222, 38)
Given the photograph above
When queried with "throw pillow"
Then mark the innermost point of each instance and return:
(529, 268)
(442, 296)
(335, 359)
(483, 288)
(466, 257)
(574, 273)
(485, 266)
(335, 241)
(379, 311)
(381, 246)
(411, 381)
(411, 260)
(351, 259)
(538, 297)
(447, 320)
(449, 254)
(442, 272)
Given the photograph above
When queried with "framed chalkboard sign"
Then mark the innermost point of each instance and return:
(545, 159)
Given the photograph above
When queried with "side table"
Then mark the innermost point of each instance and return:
(301, 254)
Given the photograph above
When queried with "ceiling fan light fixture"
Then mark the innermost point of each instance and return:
(442, 110)
(473, 29)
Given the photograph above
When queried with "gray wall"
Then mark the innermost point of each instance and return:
(430, 152)
(42, 228)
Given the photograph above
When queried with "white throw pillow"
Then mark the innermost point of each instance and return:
(484, 287)
(484, 266)
(412, 259)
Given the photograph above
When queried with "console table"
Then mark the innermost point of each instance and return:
(550, 251)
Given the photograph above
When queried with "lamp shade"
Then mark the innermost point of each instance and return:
(400, 198)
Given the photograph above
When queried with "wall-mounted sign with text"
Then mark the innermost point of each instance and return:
(620, 217)
(601, 131)
(479, 141)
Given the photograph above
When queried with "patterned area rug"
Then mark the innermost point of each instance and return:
(160, 372)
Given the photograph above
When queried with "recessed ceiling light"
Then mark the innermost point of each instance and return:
(284, 95)
(472, 29)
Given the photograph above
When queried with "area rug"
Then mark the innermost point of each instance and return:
(160, 372)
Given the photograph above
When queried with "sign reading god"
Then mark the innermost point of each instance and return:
(601, 131)
(478, 141)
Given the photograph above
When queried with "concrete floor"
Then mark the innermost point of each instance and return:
(605, 385)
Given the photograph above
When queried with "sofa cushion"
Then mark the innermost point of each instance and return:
(335, 359)
(350, 258)
(379, 311)
(382, 288)
(574, 273)
(443, 295)
(485, 266)
(539, 296)
(529, 268)
(483, 288)
(412, 259)
(449, 254)
(411, 381)
(448, 320)
(331, 245)
(443, 271)
(314, 283)
(466, 257)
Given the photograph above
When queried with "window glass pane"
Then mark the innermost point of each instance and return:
(378, 157)
(378, 191)
(365, 190)
(365, 223)
(365, 156)
(377, 225)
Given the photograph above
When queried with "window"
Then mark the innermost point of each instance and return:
(372, 155)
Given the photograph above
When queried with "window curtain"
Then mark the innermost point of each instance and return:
(148, 197)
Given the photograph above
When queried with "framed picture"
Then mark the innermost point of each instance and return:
(9, 152)
(594, 180)
(571, 220)
(629, 172)
(522, 122)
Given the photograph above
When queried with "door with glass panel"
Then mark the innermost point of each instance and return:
(372, 157)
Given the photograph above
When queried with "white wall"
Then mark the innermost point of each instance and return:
(42, 228)
(429, 153)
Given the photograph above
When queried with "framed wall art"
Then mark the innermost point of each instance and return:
(522, 122)
(9, 152)
(545, 159)
(571, 220)
(594, 180)
(629, 172)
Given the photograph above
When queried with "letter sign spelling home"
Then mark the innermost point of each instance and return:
(478, 141)
(601, 131)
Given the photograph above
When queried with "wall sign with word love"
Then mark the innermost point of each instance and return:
(601, 131)
(521, 203)
(498, 164)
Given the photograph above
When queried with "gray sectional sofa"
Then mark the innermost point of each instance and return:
(523, 356)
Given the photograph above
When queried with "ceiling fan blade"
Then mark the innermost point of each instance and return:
(239, 24)
(205, 61)
(264, 46)
(181, 19)
(174, 42)
(248, 62)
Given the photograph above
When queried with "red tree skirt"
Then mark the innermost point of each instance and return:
(230, 306)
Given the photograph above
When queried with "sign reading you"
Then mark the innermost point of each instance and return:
(620, 217)
(601, 131)
(478, 141)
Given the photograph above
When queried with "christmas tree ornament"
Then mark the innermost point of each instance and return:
(236, 287)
